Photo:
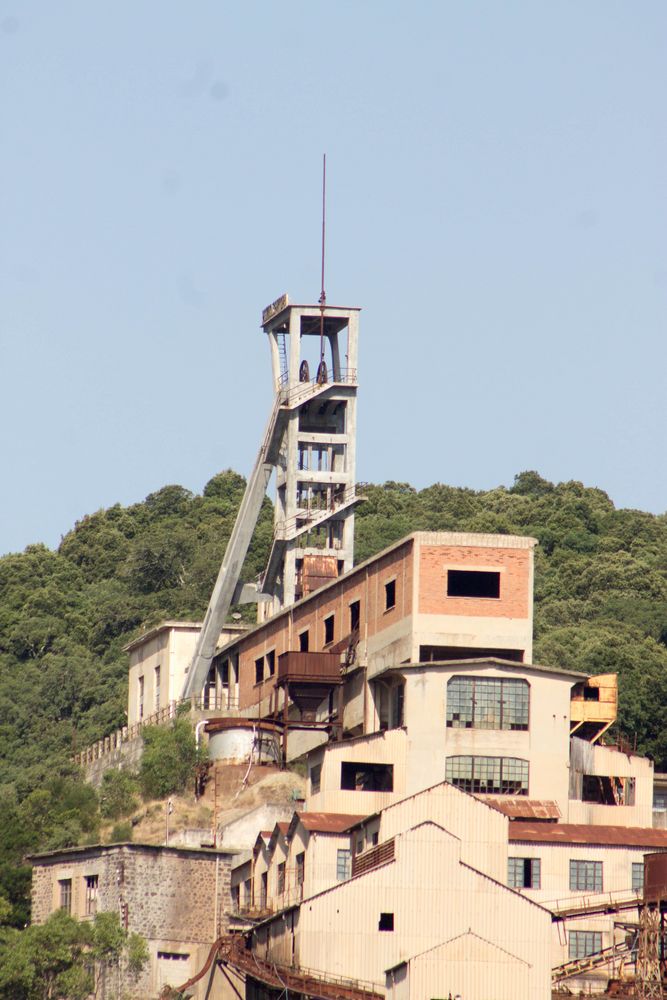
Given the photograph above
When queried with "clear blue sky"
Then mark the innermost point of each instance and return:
(497, 205)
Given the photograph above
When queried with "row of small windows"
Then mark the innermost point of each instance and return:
(526, 873)
(487, 703)
(488, 775)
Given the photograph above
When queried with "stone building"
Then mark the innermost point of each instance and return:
(176, 898)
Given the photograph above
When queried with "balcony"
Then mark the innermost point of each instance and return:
(317, 668)
(593, 707)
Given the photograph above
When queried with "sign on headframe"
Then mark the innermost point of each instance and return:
(276, 307)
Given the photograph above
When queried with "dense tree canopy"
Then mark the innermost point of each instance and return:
(600, 605)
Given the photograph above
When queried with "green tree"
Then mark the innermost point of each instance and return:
(169, 760)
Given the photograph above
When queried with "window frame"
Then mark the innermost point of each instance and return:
(478, 782)
(92, 883)
(329, 629)
(315, 776)
(581, 944)
(508, 705)
(637, 884)
(259, 670)
(343, 864)
(280, 877)
(65, 894)
(517, 869)
(390, 594)
(586, 876)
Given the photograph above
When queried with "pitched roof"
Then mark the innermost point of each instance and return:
(520, 808)
(587, 833)
(321, 822)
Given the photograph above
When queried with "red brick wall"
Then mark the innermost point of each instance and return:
(514, 566)
(365, 585)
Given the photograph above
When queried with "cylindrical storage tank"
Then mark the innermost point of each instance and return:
(235, 739)
(655, 877)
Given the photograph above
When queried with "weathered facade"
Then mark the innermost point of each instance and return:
(177, 899)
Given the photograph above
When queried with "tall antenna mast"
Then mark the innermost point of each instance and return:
(322, 369)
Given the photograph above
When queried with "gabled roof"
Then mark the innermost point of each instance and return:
(587, 833)
(322, 822)
(483, 661)
(523, 809)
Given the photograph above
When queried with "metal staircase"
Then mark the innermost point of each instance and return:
(227, 587)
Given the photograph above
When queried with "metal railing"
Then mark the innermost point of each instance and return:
(298, 393)
(316, 512)
(205, 702)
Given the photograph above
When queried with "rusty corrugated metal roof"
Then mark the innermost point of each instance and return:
(520, 808)
(587, 833)
(322, 822)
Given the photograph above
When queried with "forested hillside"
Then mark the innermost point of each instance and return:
(601, 605)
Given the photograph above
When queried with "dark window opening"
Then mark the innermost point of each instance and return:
(360, 777)
(315, 778)
(386, 922)
(435, 654)
(259, 670)
(271, 662)
(92, 883)
(355, 615)
(328, 630)
(524, 873)
(303, 642)
(607, 790)
(591, 693)
(300, 867)
(472, 583)
(281, 878)
(390, 595)
(398, 701)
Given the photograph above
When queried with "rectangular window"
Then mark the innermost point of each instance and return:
(524, 873)
(660, 800)
(300, 867)
(355, 615)
(271, 662)
(173, 956)
(265, 890)
(343, 864)
(472, 583)
(328, 630)
(91, 895)
(315, 778)
(236, 897)
(65, 885)
(247, 892)
(359, 777)
(487, 703)
(281, 878)
(488, 775)
(586, 875)
(157, 689)
(608, 790)
(141, 697)
(304, 642)
(637, 875)
(584, 943)
(386, 922)
(390, 595)
(397, 703)
(259, 670)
